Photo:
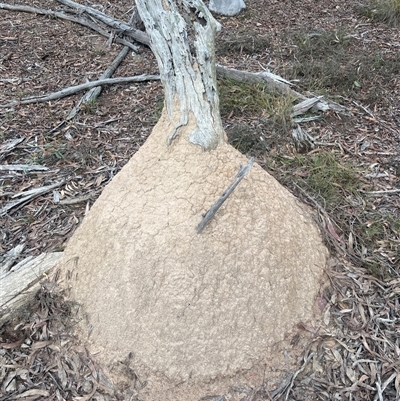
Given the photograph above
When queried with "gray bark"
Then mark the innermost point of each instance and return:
(182, 37)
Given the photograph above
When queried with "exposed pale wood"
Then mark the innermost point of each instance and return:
(303, 141)
(382, 192)
(22, 167)
(77, 88)
(73, 201)
(214, 208)
(276, 84)
(21, 283)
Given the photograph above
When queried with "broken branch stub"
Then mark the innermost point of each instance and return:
(182, 39)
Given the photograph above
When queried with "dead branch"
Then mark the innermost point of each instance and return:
(273, 82)
(121, 27)
(76, 200)
(214, 208)
(276, 84)
(94, 93)
(303, 141)
(10, 257)
(9, 145)
(77, 20)
(77, 88)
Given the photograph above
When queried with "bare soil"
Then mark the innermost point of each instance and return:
(328, 48)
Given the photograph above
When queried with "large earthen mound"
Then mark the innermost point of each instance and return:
(186, 304)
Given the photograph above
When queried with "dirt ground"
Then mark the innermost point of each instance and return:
(328, 48)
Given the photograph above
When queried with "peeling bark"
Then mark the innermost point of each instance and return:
(182, 38)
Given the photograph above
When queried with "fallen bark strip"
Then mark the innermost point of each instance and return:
(62, 15)
(22, 167)
(29, 195)
(9, 145)
(214, 208)
(21, 283)
(9, 258)
(303, 141)
(77, 88)
(74, 201)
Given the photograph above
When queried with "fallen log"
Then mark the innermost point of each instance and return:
(20, 284)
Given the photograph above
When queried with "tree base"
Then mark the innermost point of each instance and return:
(187, 305)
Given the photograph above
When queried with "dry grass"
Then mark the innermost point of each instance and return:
(387, 11)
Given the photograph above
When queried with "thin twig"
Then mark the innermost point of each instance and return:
(77, 88)
(211, 212)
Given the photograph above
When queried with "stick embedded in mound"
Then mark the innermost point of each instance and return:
(211, 212)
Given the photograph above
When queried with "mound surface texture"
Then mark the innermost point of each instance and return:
(186, 304)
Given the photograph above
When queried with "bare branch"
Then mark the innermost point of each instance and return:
(77, 88)
(273, 82)
(121, 27)
(77, 20)
(276, 84)
(94, 93)
(9, 145)
(211, 212)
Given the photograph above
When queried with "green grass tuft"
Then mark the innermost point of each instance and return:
(244, 99)
(328, 181)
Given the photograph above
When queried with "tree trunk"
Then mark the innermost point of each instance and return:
(182, 38)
